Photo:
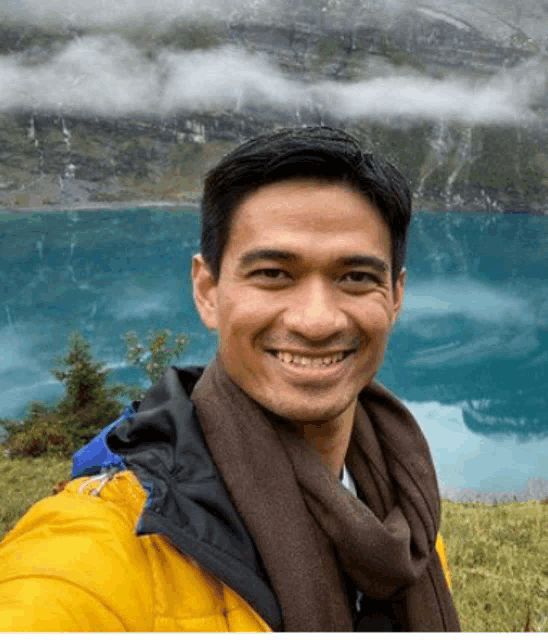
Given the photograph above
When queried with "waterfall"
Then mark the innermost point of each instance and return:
(69, 171)
(70, 167)
(32, 131)
(66, 181)
(440, 143)
(463, 155)
(66, 133)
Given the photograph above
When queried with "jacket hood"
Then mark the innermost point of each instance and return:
(160, 440)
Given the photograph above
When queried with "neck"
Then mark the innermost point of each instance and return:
(331, 439)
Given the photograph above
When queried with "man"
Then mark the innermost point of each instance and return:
(281, 488)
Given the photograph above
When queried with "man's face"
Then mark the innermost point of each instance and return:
(285, 289)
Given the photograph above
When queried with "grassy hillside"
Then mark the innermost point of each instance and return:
(499, 559)
(498, 554)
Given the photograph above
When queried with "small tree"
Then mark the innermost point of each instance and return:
(87, 407)
(85, 379)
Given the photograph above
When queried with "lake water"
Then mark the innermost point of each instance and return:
(468, 356)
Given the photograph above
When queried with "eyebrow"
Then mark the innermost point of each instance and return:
(357, 260)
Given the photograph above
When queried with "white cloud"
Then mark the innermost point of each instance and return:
(473, 299)
(14, 350)
(464, 459)
(102, 75)
(224, 77)
(426, 97)
(106, 75)
(136, 302)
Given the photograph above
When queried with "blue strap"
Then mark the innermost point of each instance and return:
(95, 457)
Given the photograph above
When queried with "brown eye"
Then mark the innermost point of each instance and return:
(361, 277)
(269, 273)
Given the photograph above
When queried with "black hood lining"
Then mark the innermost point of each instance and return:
(163, 445)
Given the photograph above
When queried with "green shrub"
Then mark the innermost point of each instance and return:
(160, 353)
(43, 436)
(89, 405)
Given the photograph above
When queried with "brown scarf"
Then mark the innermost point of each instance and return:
(309, 529)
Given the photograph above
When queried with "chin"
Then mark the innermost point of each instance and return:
(302, 413)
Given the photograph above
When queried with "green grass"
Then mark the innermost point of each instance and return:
(24, 481)
(498, 554)
(499, 560)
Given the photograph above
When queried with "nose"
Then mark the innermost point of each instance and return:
(313, 311)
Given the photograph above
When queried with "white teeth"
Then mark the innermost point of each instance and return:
(306, 361)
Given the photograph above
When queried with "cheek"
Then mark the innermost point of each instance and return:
(243, 304)
(375, 317)
(241, 314)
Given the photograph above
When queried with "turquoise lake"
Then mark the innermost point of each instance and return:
(468, 355)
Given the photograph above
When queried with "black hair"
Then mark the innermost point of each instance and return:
(320, 152)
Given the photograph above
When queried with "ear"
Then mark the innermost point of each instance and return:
(204, 291)
(398, 293)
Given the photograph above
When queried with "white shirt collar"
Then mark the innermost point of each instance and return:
(348, 482)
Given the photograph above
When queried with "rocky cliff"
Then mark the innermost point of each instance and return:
(453, 94)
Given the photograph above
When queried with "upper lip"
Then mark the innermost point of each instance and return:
(325, 354)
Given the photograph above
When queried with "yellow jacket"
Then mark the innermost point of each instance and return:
(74, 563)
(153, 544)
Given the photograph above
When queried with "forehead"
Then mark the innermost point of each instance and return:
(309, 215)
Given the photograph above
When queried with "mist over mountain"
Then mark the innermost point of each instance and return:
(128, 101)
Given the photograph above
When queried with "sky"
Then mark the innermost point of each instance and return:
(104, 74)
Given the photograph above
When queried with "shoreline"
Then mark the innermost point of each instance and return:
(108, 206)
(533, 489)
(195, 205)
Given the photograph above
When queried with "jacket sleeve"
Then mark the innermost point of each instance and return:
(34, 603)
(440, 548)
(73, 563)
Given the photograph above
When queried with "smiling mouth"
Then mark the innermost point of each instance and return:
(308, 362)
